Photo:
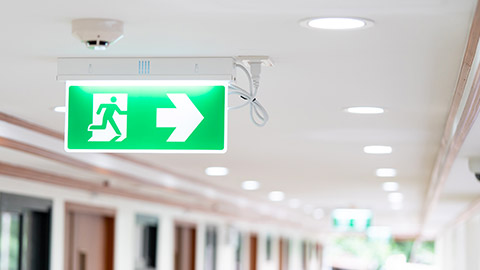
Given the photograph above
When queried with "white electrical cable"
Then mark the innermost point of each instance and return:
(258, 113)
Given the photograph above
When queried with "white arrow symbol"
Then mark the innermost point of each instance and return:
(185, 117)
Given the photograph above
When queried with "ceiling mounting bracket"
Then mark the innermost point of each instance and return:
(247, 59)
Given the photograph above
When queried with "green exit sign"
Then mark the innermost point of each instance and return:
(146, 116)
(358, 220)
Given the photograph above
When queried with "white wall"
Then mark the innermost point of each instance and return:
(126, 210)
(459, 247)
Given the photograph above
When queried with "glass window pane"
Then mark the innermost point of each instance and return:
(146, 242)
(10, 241)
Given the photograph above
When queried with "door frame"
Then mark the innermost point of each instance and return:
(83, 209)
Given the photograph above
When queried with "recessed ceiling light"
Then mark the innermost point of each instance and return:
(337, 23)
(395, 197)
(216, 171)
(377, 149)
(386, 172)
(60, 109)
(276, 196)
(318, 214)
(390, 186)
(250, 185)
(365, 110)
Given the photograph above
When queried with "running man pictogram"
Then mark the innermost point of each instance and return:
(109, 110)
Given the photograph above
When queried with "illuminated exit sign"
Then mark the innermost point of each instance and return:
(352, 219)
(146, 116)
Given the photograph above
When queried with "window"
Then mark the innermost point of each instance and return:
(210, 248)
(146, 243)
(24, 232)
(269, 247)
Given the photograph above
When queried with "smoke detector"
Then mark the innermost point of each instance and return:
(97, 34)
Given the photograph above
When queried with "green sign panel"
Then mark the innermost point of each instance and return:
(146, 117)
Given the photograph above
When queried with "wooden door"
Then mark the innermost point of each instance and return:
(283, 254)
(253, 252)
(185, 246)
(90, 239)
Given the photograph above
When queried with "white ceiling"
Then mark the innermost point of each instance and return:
(408, 63)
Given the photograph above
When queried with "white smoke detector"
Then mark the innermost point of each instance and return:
(97, 34)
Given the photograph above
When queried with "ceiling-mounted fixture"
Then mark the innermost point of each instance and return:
(60, 109)
(365, 110)
(276, 196)
(250, 185)
(386, 172)
(352, 219)
(336, 23)
(216, 171)
(474, 166)
(97, 34)
(199, 87)
(377, 149)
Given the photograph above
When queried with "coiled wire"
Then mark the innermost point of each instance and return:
(258, 113)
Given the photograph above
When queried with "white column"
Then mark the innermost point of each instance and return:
(58, 235)
(261, 254)
(200, 247)
(124, 239)
(166, 243)
(225, 252)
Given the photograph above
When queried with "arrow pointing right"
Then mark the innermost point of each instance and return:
(185, 117)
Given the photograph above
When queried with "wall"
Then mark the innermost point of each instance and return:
(458, 247)
(126, 209)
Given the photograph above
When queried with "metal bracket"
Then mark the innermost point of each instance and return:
(247, 59)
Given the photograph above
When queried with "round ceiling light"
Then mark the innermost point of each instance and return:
(386, 172)
(337, 23)
(251, 185)
(276, 196)
(377, 149)
(60, 109)
(365, 110)
(216, 171)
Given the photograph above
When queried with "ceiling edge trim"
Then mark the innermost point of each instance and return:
(69, 182)
(450, 145)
